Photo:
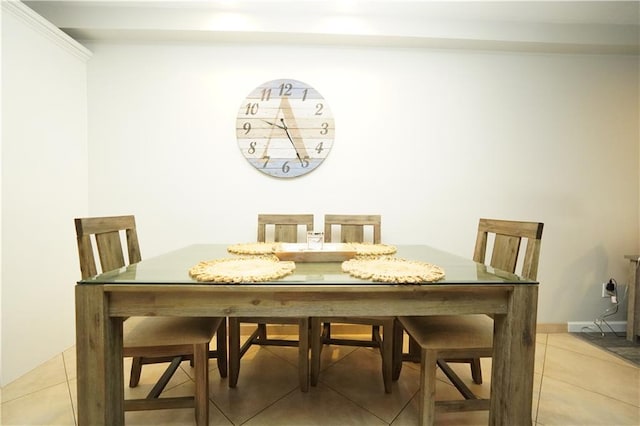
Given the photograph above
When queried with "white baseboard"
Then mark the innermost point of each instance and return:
(589, 326)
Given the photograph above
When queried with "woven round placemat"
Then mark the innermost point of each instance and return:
(252, 248)
(242, 269)
(393, 270)
(369, 249)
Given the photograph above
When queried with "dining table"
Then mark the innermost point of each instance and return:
(162, 286)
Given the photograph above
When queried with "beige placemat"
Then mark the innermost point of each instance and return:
(252, 248)
(242, 269)
(393, 270)
(369, 249)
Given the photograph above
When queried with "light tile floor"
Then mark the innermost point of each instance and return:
(575, 384)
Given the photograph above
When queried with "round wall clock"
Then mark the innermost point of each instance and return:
(285, 128)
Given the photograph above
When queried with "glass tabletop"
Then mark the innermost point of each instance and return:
(173, 268)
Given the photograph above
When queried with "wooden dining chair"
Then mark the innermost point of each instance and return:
(152, 339)
(467, 338)
(353, 229)
(283, 228)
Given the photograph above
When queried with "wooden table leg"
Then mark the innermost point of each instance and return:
(514, 359)
(99, 359)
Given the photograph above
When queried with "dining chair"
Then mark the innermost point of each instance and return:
(283, 228)
(353, 229)
(152, 339)
(467, 338)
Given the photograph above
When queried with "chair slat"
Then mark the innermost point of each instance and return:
(352, 227)
(285, 226)
(110, 250)
(505, 252)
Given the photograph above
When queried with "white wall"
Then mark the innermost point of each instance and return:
(430, 139)
(44, 186)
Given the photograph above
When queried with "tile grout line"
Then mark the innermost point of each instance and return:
(544, 361)
(297, 388)
(66, 375)
(573, 385)
(625, 365)
(33, 392)
(608, 396)
(359, 405)
(404, 407)
(355, 402)
(596, 349)
(211, 400)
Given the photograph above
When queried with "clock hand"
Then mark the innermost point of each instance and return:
(286, 130)
(274, 124)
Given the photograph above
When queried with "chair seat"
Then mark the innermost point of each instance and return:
(451, 332)
(143, 332)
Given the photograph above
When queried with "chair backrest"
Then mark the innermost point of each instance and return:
(285, 227)
(106, 233)
(507, 243)
(352, 227)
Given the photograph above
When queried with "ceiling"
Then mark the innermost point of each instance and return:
(602, 27)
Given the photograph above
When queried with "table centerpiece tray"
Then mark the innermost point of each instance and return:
(329, 252)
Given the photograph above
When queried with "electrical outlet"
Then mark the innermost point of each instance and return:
(608, 288)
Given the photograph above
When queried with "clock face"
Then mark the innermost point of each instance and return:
(285, 128)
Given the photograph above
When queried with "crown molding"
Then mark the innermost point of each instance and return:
(44, 27)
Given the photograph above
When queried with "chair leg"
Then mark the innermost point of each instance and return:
(428, 360)
(163, 381)
(476, 371)
(455, 380)
(375, 331)
(398, 336)
(201, 360)
(262, 332)
(221, 348)
(234, 351)
(316, 349)
(387, 355)
(136, 370)
(414, 351)
(303, 353)
(326, 331)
